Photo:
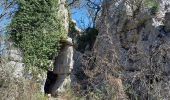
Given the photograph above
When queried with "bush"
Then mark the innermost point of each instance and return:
(153, 5)
(87, 40)
(37, 29)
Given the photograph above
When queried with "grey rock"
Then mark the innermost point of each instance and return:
(167, 22)
(134, 44)
(63, 63)
(16, 68)
(15, 55)
(63, 66)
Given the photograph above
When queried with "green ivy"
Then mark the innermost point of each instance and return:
(88, 38)
(36, 28)
(153, 5)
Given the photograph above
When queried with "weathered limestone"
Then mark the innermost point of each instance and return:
(14, 61)
(63, 66)
(135, 46)
(17, 67)
(63, 15)
(15, 55)
(64, 58)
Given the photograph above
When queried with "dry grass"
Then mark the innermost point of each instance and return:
(12, 88)
(19, 89)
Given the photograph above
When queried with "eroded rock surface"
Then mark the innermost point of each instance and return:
(133, 44)
(59, 80)
(14, 61)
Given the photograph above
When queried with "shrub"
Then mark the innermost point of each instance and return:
(36, 28)
(87, 39)
(153, 5)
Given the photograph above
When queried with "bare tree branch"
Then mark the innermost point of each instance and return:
(93, 7)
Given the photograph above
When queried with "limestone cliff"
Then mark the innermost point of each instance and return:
(15, 77)
(133, 45)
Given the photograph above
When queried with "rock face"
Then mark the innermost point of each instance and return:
(15, 56)
(63, 63)
(167, 22)
(134, 45)
(14, 62)
(59, 78)
(53, 76)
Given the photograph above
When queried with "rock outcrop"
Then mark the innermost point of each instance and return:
(17, 79)
(14, 55)
(133, 45)
(64, 58)
(14, 61)
(59, 80)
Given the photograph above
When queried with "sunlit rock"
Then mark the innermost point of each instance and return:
(63, 66)
(132, 47)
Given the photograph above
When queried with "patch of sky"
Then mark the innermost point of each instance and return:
(81, 14)
(82, 18)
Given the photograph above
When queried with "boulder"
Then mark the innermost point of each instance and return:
(63, 63)
(63, 66)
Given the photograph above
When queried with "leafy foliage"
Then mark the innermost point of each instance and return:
(153, 5)
(87, 39)
(37, 29)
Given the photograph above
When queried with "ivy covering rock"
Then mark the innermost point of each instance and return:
(36, 28)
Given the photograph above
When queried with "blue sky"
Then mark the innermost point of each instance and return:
(80, 15)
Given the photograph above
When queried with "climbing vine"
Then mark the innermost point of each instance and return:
(153, 5)
(36, 28)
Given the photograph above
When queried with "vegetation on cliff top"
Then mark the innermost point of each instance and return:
(36, 28)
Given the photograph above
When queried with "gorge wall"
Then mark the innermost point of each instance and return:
(134, 45)
(129, 60)
(17, 82)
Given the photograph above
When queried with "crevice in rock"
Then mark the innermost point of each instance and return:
(50, 81)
